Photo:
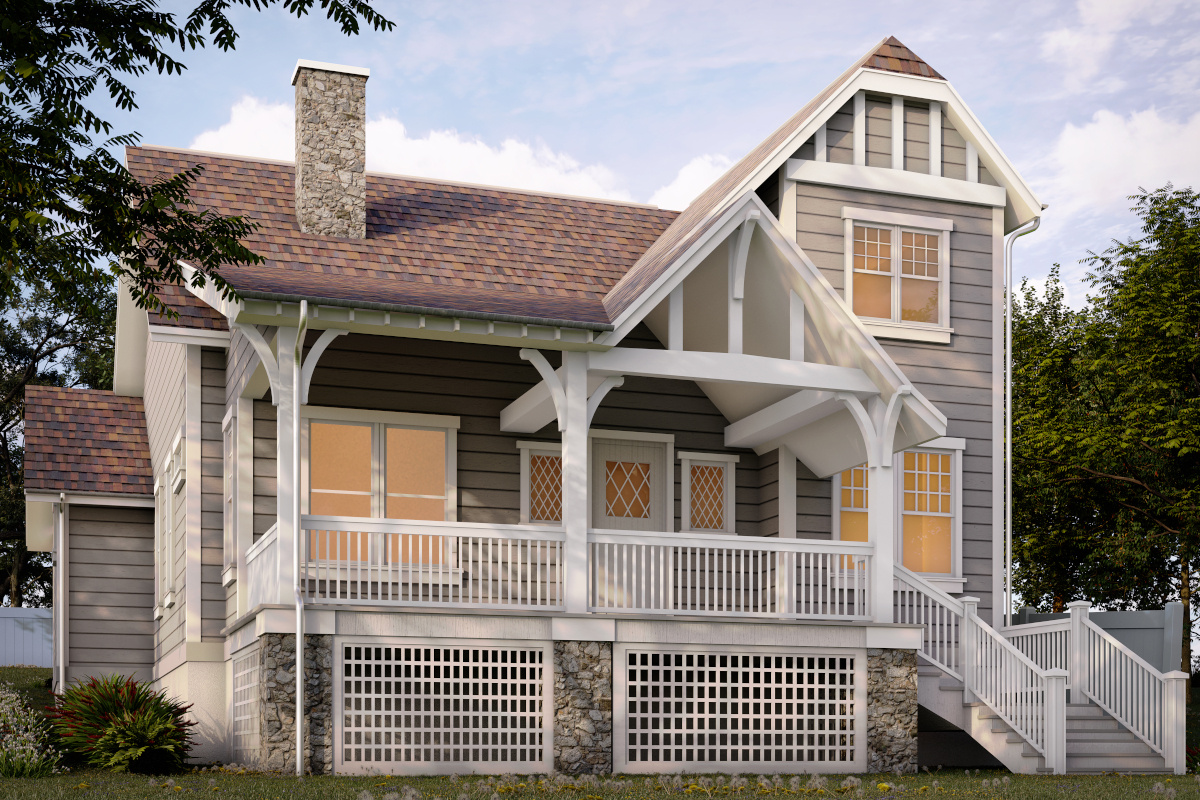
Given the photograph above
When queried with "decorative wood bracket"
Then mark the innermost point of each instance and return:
(557, 393)
(310, 364)
(597, 397)
(270, 362)
(891, 417)
(742, 251)
(265, 355)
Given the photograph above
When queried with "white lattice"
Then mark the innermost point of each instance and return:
(627, 489)
(545, 488)
(760, 711)
(708, 497)
(246, 708)
(428, 708)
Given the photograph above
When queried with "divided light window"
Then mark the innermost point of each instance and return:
(380, 470)
(897, 274)
(707, 491)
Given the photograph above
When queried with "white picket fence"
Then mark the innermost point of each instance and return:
(26, 637)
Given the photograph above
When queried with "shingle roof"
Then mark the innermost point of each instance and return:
(193, 312)
(890, 56)
(429, 244)
(85, 440)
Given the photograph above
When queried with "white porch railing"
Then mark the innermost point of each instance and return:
(1030, 699)
(669, 573)
(1147, 702)
(451, 564)
(262, 564)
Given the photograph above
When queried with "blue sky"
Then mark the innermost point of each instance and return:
(650, 100)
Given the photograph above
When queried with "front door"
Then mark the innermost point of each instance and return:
(628, 485)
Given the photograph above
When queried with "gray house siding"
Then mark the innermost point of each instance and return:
(212, 519)
(164, 403)
(839, 135)
(916, 137)
(957, 378)
(879, 132)
(111, 595)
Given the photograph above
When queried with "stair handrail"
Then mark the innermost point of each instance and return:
(1039, 714)
(940, 614)
(1157, 716)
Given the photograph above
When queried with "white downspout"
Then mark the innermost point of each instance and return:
(296, 535)
(60, 596)
(1028, 227)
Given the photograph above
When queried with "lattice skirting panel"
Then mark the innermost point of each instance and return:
(246, 736)
(443, 707)
(745, 709)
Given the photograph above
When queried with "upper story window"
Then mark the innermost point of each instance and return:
(382, 465)
(898, 273)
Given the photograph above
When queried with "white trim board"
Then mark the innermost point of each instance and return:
(87, 499)
(891, 181)
(168, 334)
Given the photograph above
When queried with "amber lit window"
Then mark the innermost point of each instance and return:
(852, 517)
(545, 487)
(928, 512)
(627, 489)
(707, 484)
(897, 275)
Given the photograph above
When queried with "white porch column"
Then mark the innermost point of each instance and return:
(1056, 721)
(787, 493)
(286, 481)
(1175, 721)
(1077, 664)
(881, 532)
(575, 482)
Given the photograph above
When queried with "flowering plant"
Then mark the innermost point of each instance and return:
(25, 748)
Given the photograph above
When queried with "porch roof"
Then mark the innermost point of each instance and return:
(85, 440)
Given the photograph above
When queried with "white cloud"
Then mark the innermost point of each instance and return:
(449, 155)
(693, 178)
(1084, 49)
(255, 128)
(1096, 166)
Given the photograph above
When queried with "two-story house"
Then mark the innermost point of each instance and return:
(541, 482)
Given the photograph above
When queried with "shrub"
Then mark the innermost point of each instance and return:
(120, 724)
(25, 748)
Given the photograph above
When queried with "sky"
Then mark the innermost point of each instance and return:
(650, 100)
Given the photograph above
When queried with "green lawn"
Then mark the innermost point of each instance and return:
(30, 682)
(261, 787)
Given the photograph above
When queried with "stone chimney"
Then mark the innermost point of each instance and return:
(331, 149)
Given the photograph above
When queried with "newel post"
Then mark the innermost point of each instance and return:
(968, 639)
(1078, 661)
(1175, 721)
(1056, 721)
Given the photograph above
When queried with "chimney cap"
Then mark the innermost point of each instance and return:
(321, 65)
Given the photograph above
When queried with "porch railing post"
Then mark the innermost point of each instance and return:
(881, 532)
(1174, 716)
(967, 641)
(1077, 644)
(575, 484)
(1056, 721)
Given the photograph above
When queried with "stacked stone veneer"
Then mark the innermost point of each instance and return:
(331, 152)
(277, 702)
(891, 710)
(583, 708)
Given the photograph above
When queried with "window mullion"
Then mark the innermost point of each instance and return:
(378, 478)
(896, 251)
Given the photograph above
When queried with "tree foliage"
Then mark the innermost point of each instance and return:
(69, 210)
(1107, 421)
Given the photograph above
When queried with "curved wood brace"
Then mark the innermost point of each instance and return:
(607, 385)
(865, 427)
(264, 355)
(557, 394)
(745, 233)
(310, 364)
(887, 433)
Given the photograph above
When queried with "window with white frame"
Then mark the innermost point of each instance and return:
(898, 268)
(707, 486)
(380, 465)
(229, 499)
(541, 482)
(178, 462)
(928, 508)
(164, 544)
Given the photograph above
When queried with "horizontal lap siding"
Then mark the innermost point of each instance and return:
(955, 378)
(879, 132)
(839, 135)
(212, 518)
(475, 383)
(111, 564)
(954, 151)
(916, 137)
(164, 404)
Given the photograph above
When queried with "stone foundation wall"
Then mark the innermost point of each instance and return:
(583, 709)
(891, 710)
(277, 698)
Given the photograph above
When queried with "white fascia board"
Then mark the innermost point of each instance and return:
(208, 293)
(94, 499)
(168, 334)
(730, 368)
(897, 218)
(892, 181)
(129, 356)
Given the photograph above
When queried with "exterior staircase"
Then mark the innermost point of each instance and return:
(1095, 741)
(1009, 689)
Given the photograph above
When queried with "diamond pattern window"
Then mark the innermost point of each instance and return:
(630, 480)
(627, 489)
(708, 491)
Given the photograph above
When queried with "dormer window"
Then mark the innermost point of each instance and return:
(898, 273)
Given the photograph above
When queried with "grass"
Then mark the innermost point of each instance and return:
(86, 785)
(30, 683)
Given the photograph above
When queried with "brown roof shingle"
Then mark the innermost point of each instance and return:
(85, 440)
(193, 312)
(429, 244)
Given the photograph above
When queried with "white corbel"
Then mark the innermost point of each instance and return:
(264, 355)
(557, 394)
(314, 354)
(867, 428)
(887, 433)
(597, 397)
(742, 251)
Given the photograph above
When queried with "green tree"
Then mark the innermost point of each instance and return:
(1107, 422)
(69, 211)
